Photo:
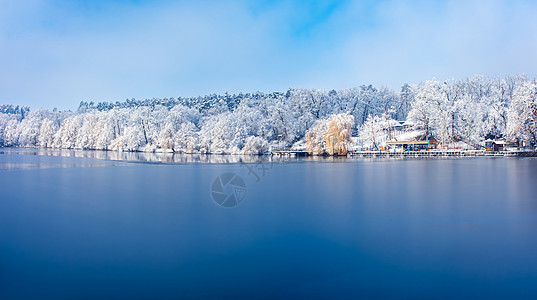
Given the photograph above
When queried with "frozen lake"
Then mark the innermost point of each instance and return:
(92, 224)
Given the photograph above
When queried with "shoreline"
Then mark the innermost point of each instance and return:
(284, 153)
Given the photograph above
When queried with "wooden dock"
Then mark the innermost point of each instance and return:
(430, 153)
(442, 153)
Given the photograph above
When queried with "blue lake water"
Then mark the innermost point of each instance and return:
(74, 225)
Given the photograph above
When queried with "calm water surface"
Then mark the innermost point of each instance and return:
(77, 226)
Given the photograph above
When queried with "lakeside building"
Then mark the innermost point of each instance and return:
(412, 145)
(495, 145)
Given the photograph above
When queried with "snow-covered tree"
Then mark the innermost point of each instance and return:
(315, 142)
(46, 134)
(4, 130)
(12, 133)
(255, 145)
(29, 128)
(186, 138)
(372, 131)
(522, 123)
(167, 138)
(469, 122)
(106, 131)
(424, 111)
(67, 134)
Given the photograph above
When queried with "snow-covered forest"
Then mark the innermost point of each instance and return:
(454, 112)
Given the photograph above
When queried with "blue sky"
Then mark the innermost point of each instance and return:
(56, 53)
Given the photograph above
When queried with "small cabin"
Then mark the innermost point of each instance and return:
(494, 145)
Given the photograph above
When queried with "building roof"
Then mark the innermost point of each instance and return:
(496, 142)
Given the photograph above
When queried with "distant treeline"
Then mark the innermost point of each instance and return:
(452, 111)
(15, 110)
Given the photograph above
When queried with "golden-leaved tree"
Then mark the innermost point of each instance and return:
(331, 136)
